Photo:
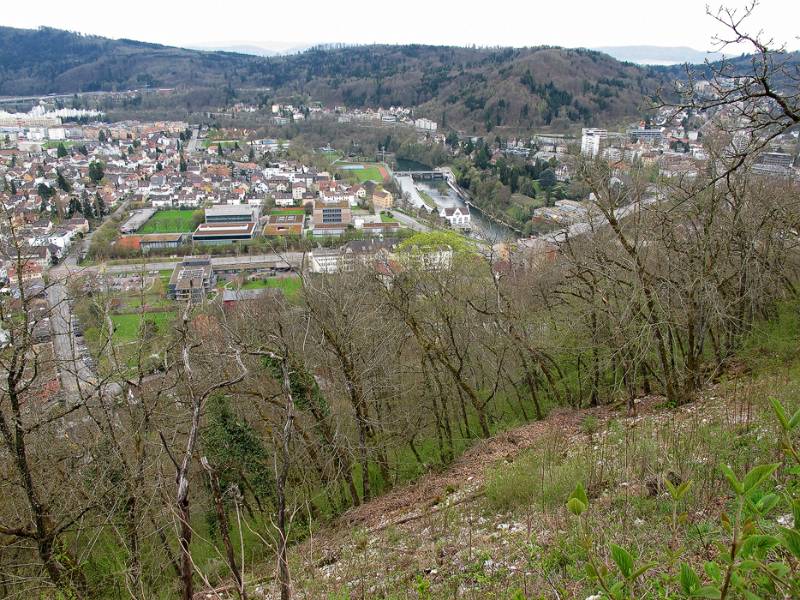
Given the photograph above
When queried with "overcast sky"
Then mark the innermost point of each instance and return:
(571, 23)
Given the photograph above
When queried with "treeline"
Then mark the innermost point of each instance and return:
(511, 188)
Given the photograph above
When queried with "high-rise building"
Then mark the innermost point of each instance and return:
(592, 140)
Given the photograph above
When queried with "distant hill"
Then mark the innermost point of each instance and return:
(473, 88)
(659, 55)
(255, 48)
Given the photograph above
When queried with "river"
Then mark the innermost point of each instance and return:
(482, 228)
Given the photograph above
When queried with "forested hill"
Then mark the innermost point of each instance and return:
(467, 87)
(45, 60)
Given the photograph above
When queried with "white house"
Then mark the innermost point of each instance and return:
(457, 216)
(298, 189)
(161, 201)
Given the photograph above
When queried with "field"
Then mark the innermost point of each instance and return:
(225, 143)
(55, 143)
(365, 171)
(290, 286)
(332, 155)
(126, 327)
(170, 221)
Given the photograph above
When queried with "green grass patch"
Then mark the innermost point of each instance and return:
(540, 478)
(288, 211)
(55, 143)
(387, 218)
(291, 286)
(225, 143)
(126, 326)
(332, 155)
(426, 198)
(170, 221)
(774, 343)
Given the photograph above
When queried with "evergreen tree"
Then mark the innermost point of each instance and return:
(96, 171)
(62, 150)
(102, 209)
(63, 184)
(45, 191)
(183, 164)
(101, 137)
(87, 209)
(74, 206)
(547, 179)
(13, 189)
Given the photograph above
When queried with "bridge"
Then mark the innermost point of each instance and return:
(423, 175)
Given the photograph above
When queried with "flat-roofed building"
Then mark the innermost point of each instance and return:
(332, 216)
(137, 219)
(284, 223)
(326, 229)
(155, 241)
(232, 213)
(223, 233)
(192, 279)
(592, 140)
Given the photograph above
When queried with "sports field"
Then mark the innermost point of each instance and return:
(170, 221)
(365, 171)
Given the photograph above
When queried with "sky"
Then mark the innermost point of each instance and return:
(570, 23)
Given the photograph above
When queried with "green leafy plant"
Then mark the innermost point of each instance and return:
(757, 556)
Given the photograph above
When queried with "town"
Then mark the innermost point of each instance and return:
(399, 320)
(187, 212)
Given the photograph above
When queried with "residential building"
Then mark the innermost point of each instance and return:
(457, 216)
(592, 141)
(646, 134)
(192, 279)
(382, 199)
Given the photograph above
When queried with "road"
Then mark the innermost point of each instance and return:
(76, 376)
(294, 259)
(74, 372)
(191, 147)
(409, 222)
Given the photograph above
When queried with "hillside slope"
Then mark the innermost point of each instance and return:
(494, 524)
(468, 87)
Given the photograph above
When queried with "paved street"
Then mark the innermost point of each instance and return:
(74, 372)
